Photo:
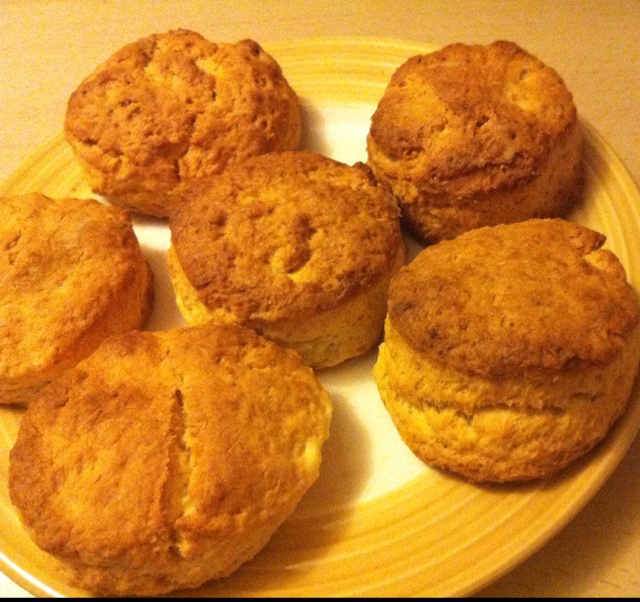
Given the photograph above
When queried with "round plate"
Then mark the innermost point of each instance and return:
(378, 522)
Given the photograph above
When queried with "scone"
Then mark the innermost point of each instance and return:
(510, 351)
(167, 459)
(474, 135)
(71, 273)
(174, 107)
(297, 246)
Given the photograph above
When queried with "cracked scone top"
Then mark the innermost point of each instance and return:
(167, 459)
(295, 245)
(71, 273)
(510, 351)
(472, 135)
(174, 107)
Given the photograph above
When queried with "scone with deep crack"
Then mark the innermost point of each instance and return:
(175, 107)
(167, 459)
(71, 273)
(472, 135)
(510, 351)
(294, 245)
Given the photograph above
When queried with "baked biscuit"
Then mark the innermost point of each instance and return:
(510, 351)
(167, 459)
(294, 245)
(174, 107)
(472, 136)
(71, 274)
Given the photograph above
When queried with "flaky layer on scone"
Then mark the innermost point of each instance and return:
(174, 107)
(297, 246)
(472, 135)
(510, 351)
(168, 459)
(71, 273)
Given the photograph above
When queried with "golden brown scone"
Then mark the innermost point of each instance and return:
(510, 351)
(167, 459)
(71, 274)
(174, 107)
(295, 245)
(472, 136)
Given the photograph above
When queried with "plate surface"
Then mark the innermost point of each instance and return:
(378, 522)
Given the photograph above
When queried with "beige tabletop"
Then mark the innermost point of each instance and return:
(47, 46)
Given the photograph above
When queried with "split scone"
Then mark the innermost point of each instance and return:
(474, 135)
(71, 273)
(510, 351)
(167, 459)
(297, 246)
(174, 107)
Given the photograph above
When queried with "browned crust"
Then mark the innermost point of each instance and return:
(286, 235)
(468, 119)
(538, 295)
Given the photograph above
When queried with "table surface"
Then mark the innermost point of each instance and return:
(48, 46)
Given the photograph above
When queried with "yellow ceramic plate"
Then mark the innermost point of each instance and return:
(378, 522)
